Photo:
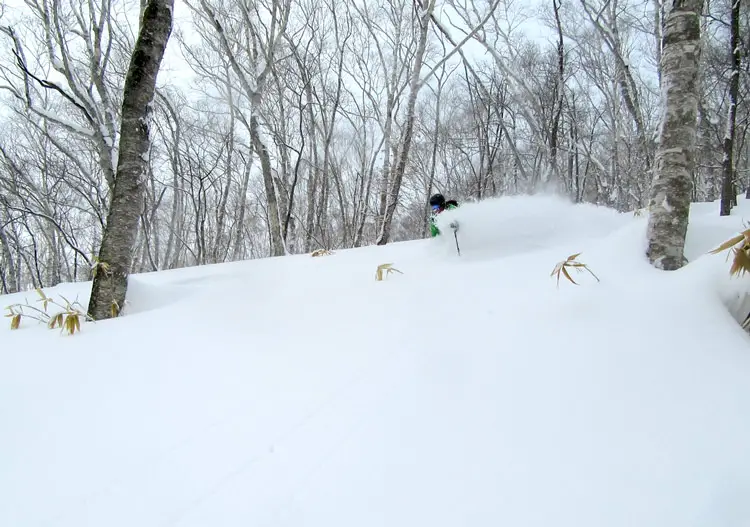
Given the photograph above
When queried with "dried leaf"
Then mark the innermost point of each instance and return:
(561, 268)
(56, 321)
(740, 262)
(384, 269)
(15, 322)
(104, 266)
(72, 323)
(45, 300)
(567, 275)
(731, 242)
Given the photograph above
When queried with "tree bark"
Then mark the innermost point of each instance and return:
(238, 248)
(10, 284)
(559, 94)
(278, 248)
(115, 255)
(728, 189)
(675, 157)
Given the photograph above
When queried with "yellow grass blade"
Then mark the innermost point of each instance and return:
(562, 269)
(72, 323)
(56, 321)
(730, 243)
(567, 275)
(384, 269)
(740, 263)
(45, 300)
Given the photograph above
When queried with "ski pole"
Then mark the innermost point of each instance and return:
(455, 235)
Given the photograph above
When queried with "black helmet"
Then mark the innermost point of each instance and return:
(437, 199)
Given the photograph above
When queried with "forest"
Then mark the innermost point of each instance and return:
(282, 127)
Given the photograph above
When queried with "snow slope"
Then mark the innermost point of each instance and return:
(467, 391)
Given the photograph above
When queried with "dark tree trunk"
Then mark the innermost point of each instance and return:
(559, 94)
(728, 188)
(115, 255)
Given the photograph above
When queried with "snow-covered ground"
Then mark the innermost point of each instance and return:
(467, 391)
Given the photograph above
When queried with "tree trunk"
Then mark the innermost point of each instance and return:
(433, 159)
(385, 171)
(278, 248)
(313, 172)
(238, 249)
(728, 189)
(115, 255)
(11, 283)
(221, 241)
(559, 92)
(675, 156)
(658, 31)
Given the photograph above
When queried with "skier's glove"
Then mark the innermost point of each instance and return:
(454, 225)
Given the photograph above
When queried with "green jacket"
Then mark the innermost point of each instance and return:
(434, 231)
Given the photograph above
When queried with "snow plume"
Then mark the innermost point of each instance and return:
(505, 226)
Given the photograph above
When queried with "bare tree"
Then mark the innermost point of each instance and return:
(251, 48)
(606, 21)
(83, 43)
(115, 256)
(671, 192)
(425, 10)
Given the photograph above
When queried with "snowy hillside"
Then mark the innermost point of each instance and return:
(467, 391)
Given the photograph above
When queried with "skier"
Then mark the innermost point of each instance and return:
(438, 204)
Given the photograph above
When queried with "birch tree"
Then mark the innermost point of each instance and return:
(675, 156)
(115, 256)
